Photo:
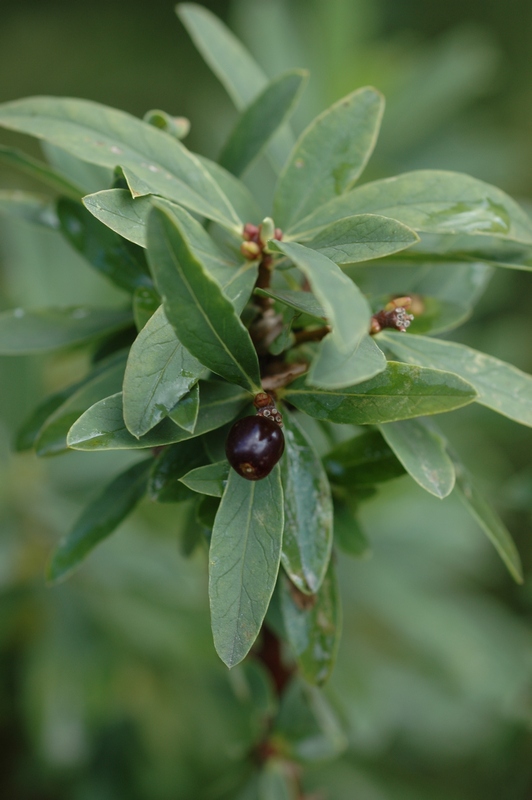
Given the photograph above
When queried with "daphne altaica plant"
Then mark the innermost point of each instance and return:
(272, 366)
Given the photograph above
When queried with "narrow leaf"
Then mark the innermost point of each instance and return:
(99, 520)
(121, 213)
(209, 480)
(348, 534)
(244, 561)
(164, 484)
(111, 138)
(332, 369)
(23, 332)
(400, 392)
(40, 171)
(102, 426)
(422, 453)
(312, 623)
(260, 120)
(499, 386)
(489, 521)
(362, 238)
(202, 316)
(362, 462)
(304, 302)
(185, 412)
(329, 156)
(308, 511)
(429, 200)
(237, 71)
(146, 301)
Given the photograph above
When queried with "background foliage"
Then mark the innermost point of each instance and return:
(111, 686)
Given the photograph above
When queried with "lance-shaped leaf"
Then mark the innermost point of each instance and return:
(362, 238)
(23, 332)
(304, 302)
(499, 386)
(348, 534)
(238, 193)
(99, 520)
(422, 453)
(102, 426)
(111, 138)
(488, 519)
(52, 438)
(312, 624)
(332, 369)
(347, 309)
(159, 372)
(244, 561)
(30, 207)
(210, 479)
(40, 171)
(238, 72)
(123, 263)
(90, 177)
(164, 485)
(202, 316)
(428, 200)
(362, 462)
(160, 369)
(261, 119)
(329, 156)
(308, 511)
(400, 392)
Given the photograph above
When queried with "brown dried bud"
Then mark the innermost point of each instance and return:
(263, 400)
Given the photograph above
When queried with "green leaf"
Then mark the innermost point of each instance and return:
(146, 301)
(347, 309)
(202, 316)
(362, 238)
(275, 782)
(123, 263)
(164, 484)
(329, 156)
(88, 176)
(111, 138)
(209, 480)
(238, 193)
(305, 302)
(244, 561)
(422, 453)
(348, 534)
(429, 200)
(308, 511)
(489, 520)
(238, 72)
(24, 332)
(99, 519)
(29, 430)
(102, 426)
(121, 213)
(499, 386)
(332, 369)
(34, 208)
(400, 392)
(362, 461)
(40, 171)
(185, 412)
(261, 119)
(159, 372)
(312, 623)
(52, 438)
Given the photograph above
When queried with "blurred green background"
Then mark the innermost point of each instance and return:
(110, 687)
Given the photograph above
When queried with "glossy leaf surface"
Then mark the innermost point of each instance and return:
(500, 386)
(185, 412)
(99, 520)
(422, 453)
(202, 316)
(244, 561)
(164, 484)
(399, 392)
(329, 156)
(362, 238)
(23, 332)
(102, 426)
(210, 479)
(308, 511)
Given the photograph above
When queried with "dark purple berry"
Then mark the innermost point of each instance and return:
(254, 446)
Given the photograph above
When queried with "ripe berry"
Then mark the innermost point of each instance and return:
(254, 446)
